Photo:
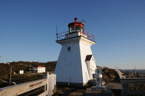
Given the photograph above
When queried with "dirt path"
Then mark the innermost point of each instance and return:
(114, 86)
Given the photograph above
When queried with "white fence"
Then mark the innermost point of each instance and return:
(18, 89)
(51, 81)
(120, 74)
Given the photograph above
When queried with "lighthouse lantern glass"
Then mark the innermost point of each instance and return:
(77, 28)
(71, 29)
(82, 29)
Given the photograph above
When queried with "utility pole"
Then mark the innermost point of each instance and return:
(134, 70)
(10, 74)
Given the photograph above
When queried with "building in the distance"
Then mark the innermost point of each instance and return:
(39, 69)
(7, 63)
(21, 71)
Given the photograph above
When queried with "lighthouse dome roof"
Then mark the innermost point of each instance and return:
(76, 23)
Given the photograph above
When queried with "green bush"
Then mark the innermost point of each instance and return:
(4, 77)
(109, 74)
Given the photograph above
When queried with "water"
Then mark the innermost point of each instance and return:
(140, 71)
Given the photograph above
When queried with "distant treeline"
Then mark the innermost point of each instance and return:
(140, 71)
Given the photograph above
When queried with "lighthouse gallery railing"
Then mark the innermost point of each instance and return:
(65, 35)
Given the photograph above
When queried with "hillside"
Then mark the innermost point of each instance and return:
(109, 75)
(21, 65)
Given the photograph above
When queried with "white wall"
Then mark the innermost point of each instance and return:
(72, 64)
(40, 69)
(69, 64)
(21, 71)
(85, 47)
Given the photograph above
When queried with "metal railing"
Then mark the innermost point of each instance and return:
(89, 35)
(61, 35)
(126, 88)
(65, 35)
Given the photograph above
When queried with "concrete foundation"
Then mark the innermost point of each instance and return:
(98, 92)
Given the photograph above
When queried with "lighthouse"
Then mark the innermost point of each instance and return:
(76, 64)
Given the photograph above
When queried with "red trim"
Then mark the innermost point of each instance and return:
(76, 23)
(76, 19)
(83, 33)
(40, 66)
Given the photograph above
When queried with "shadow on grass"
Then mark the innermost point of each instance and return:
(71, 90)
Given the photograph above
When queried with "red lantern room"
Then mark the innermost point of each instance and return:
(76, 26)
(75, 29)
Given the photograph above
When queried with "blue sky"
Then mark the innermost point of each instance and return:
(28, 29)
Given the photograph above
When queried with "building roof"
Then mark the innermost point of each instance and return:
(76, 23)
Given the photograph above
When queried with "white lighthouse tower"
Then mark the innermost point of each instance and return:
(76, 64)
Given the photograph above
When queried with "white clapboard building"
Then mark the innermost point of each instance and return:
(21, 71)
(39, 69)
(76, 64)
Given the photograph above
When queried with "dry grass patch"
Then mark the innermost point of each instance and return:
(71, 90)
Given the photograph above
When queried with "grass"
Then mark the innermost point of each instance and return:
(71, 90)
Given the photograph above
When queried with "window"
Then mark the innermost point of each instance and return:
(77, 28)
(88, 57)
(72, 29)
(69, 48)
(82, 29)
(93, 75)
